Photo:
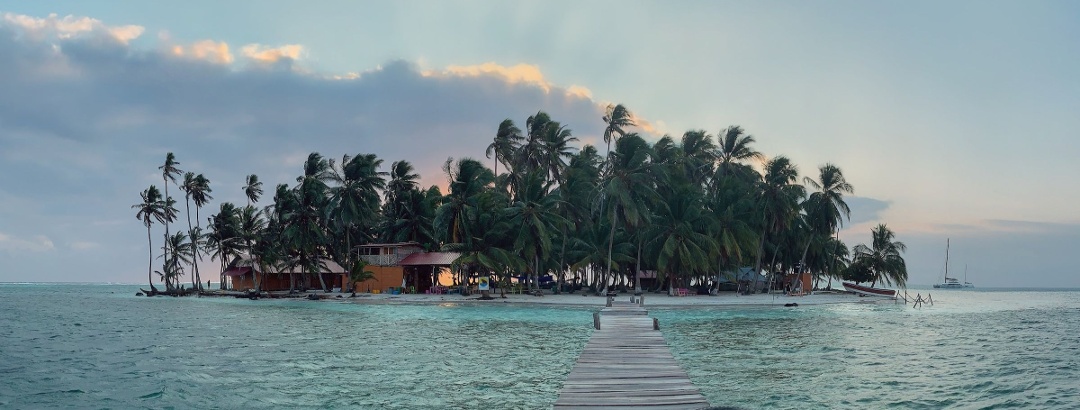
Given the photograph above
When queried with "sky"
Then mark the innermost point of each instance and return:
(953, 120)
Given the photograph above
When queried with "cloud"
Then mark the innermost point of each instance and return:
(207, 50)
(527, 74)
(78, 144)
(865, 209)
(270, 55)
(37, 243)
(67, 27)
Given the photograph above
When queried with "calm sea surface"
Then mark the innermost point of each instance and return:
(99, 346)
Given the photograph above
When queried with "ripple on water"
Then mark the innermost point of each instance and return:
(971, 350)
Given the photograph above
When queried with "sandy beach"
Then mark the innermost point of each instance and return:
(651, 299)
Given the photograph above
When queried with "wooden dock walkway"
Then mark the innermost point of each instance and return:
(626, 365)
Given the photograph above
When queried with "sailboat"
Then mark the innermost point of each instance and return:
(952, 283)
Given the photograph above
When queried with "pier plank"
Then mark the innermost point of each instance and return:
(628, 365)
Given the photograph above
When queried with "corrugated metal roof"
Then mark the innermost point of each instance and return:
(392, 245)
(331, 267)
(430, 258)
(238, 271)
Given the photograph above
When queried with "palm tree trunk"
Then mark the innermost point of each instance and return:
(832, 258)
(221, 276)
(637, 270)
(195, 249)
(166, 250)
(150, 266)
(187, 209)
(611, 243)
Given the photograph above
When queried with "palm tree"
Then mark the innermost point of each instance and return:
(626, 185)
(358, 272)
(616, 119)
(187, 186)
(402, 184)
(556, 150)
(251, 224)
(732, 207)
(534, 220)
(466, 181)
(200, 193)
(356, 200)
(306, 228)
(680, 228)
(883, 260)
(150, 209)
(253, 189)
(826, 206)
(734, 148)
(575, 193)
(482, 250)
(507, 140)
(778, 200)
(697, 155)
(224, 239)
(169, 171)
(592, 249)
(178, 248)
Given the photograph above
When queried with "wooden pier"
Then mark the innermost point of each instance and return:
(627, 365)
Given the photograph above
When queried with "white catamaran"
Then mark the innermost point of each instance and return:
(952, 283)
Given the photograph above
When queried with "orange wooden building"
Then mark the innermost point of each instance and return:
(401, 265)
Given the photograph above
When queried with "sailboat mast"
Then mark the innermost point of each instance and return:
(946, 259)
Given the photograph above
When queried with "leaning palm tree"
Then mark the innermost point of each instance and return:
(616, 119)
(883, 260)
(150, 209)
(169, 171)
(179, 250)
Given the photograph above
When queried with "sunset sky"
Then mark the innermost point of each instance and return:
(955, 119)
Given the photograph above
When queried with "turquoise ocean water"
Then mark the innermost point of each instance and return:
(99, 346)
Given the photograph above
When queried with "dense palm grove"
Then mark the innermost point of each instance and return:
(692, 210)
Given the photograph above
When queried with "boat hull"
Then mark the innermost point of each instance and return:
(869, 291)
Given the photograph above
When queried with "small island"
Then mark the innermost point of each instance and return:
(701, 215)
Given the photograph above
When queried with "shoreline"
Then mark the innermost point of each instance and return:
(725, 299)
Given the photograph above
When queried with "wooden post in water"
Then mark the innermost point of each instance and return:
(655, 324)
(596, 320)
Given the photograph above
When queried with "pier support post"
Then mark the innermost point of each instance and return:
(596, 320)
(641, 300)
(609, 299)
(655, 324)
